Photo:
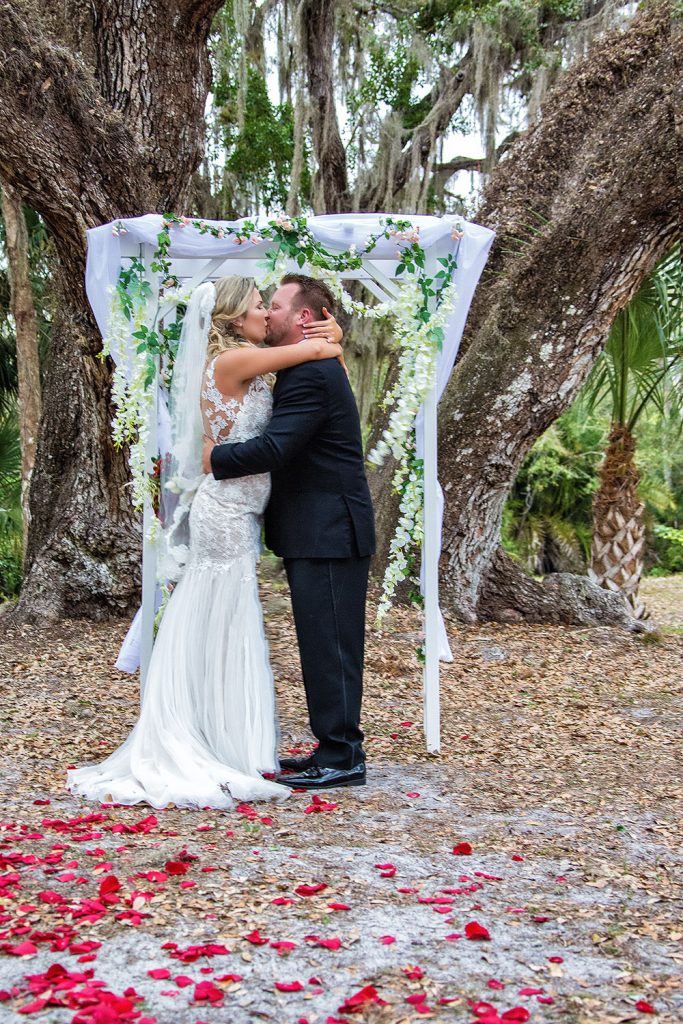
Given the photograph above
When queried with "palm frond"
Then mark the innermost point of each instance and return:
(644, 349)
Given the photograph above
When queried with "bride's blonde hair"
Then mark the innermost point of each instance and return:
(233, 298)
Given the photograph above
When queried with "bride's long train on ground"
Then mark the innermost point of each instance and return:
(207, 726)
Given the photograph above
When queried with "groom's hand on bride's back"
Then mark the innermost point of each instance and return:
(206, 455)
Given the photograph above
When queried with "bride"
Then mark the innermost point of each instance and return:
(207, 725)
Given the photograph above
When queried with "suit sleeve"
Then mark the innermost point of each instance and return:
(301, 410)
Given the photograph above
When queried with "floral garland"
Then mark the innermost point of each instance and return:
(420, 313)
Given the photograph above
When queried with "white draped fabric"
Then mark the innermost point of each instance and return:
(195, 255)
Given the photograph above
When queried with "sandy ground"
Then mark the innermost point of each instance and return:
(560, 767)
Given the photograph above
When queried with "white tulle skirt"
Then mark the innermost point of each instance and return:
(207, 725)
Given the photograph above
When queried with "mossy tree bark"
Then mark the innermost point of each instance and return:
(584, 205)
(99, 118)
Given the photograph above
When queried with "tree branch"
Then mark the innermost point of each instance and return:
(195, 13)
(317, 29)
(445, 98)
(55, 128)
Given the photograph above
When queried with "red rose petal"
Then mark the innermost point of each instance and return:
(476, 931)
(26, 948)
(368, 994)
(333, 943)
(642, 1006)
(288, 986)
(310, 890)
(519, 1013)
(462, 850)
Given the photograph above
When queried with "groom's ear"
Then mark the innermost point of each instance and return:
(305, 315)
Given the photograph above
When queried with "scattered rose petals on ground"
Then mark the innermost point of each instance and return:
(419, 1001)
(517, 1013)
(333, 943)
(462, 849)
(368, 994)
(310, 890)
(176, 867)
(283, 947)
(206, 991)
(476, 931)
(26, 948)
(318, 805)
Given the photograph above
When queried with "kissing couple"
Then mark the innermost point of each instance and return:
(259, 434)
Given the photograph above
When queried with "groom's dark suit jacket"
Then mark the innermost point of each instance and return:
(320, 504)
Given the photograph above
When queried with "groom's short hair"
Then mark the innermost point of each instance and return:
(312, 293)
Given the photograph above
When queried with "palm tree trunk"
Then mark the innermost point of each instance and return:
(618, 529)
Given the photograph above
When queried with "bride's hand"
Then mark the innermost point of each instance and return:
(328, 329)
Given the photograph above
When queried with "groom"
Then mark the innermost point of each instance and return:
(319, 520)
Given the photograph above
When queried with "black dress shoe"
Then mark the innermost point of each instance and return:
(317, 777)
(296, 764)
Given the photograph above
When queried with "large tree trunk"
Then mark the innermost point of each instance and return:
(618, 528)
(584, 205)
(83, 144)
(331, 181)
(26, 328)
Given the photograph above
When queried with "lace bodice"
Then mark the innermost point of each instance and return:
(229, 419)
(225, 518)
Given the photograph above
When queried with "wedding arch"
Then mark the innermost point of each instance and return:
(421, 272)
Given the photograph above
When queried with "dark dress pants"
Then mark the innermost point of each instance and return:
(328, 601)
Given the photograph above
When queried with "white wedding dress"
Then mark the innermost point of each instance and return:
(207, 725)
